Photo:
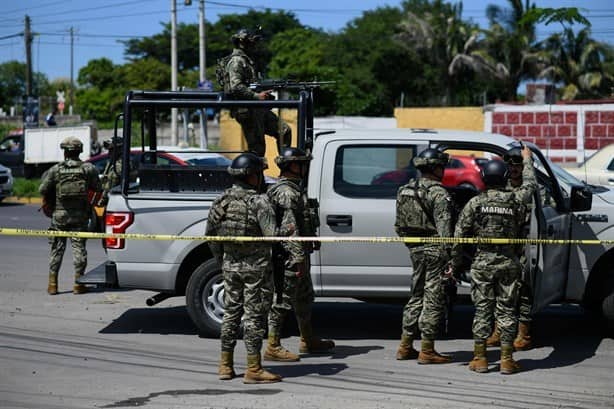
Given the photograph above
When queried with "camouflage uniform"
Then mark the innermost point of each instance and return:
(495, 270)
(70, 181)
(255, 122)
(425, 308)
(524, 193)
(111, 176)
(241, 211)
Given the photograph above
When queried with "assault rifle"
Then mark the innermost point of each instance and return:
(287, 84)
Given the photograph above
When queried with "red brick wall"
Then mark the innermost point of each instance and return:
(556, 129)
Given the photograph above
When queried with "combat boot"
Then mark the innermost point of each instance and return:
(226, 370)
(256, 374)
(78, 288)
(494, 340)
(479, 363)
(508, 365)
(428, 355)
(275, 352)
(406, 350)
(523, 339)
(311, 344)
(52, 288)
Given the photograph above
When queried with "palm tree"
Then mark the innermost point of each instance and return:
(577, 61)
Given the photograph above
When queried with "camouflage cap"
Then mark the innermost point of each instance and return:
(289, 154)
(72, 144)
(431, 157)
(244, 35)
(114, 141)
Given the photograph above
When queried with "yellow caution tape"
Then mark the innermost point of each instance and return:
(323, 239)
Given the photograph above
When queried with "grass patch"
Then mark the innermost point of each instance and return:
(26, 188)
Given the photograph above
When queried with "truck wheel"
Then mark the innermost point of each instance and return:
(205, 298)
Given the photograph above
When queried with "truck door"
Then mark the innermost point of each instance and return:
(358, 198)
(548, 263)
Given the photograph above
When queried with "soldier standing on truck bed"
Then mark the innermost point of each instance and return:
(424, 209)
(523, 183)
(243, 211)
(292, 208)
(65, 189)
(495, 269)
(111, 176)
(236, 72)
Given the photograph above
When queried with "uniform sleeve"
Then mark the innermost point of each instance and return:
(265, 215)
(442, 212)
(238, 83)
(464, 228)
(529, 183)
(48, 183)
(213, 220)
(93, 181)
(287, 201)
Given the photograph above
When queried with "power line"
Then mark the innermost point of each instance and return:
(40, 6)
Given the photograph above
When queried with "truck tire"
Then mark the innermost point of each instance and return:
(205, 298)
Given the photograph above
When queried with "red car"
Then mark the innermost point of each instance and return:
(461, 171)
(464, 171)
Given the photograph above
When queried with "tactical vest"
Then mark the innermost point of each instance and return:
(221, 72)
(412, 217)
(72, 182)
(238, 219)
(498, 217)
(301, 212)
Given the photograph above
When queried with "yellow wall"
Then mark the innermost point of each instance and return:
(231, 138)
(467, 118)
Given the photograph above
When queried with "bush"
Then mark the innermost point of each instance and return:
(27, 188)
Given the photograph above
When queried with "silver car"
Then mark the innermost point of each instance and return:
(6, 182)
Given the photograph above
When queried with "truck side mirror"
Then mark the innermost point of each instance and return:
(581, 198)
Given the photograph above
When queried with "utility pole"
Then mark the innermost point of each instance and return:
(204, 137)
(174, 69)
(71, 94)
(27, 34)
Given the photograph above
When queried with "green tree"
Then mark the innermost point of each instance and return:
(13, 83)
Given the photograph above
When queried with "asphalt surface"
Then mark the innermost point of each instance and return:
(106, 349)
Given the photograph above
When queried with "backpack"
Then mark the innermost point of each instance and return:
(72, 183)
(221, 74)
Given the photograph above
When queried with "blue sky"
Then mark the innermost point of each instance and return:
(99, 24)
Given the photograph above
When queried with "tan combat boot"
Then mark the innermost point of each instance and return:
(428, 355)
(78, 288)
(52, 288)
(226, 371)
(275, 352)
(256, 374)
(479, 363)
(523, 339)
(406, 350)
(494, 340)
(508, 365)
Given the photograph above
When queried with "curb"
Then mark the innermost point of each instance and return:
(23, 200)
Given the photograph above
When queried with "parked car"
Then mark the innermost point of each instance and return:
(11, 151)
(6, 182)
(598, 169)
(461, 171)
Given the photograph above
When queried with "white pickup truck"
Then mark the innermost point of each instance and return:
(355, 200)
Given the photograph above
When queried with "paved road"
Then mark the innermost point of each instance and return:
(108, 350)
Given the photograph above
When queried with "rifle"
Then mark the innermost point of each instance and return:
(287, 84)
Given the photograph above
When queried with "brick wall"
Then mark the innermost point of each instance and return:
(567, 133)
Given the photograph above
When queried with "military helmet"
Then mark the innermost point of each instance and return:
(247, 164)
(289, 155)
(72, 144)
(495, 173)
(429, 158)
(513, 156)
(115, 141)
(245, 36)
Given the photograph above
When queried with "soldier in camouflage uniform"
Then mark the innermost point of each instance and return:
(495, 270)
(424, 209)
(293, 209)
(69, 182)
(523, 182)
(239, 73)
(243, 211)
(111, 176)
